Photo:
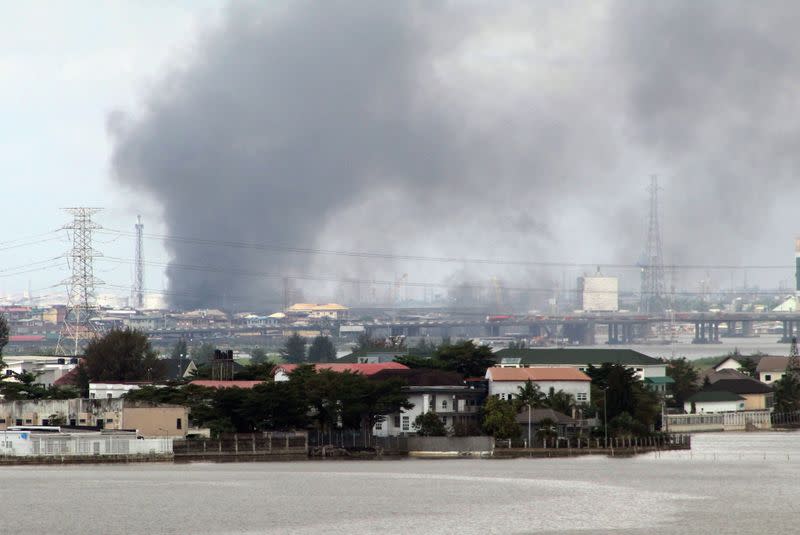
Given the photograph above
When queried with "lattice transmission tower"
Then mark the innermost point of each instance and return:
(793, 364)
(81, 299)
(138, 277)
(652, 292)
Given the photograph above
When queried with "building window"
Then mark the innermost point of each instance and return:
(767, 377)
(444, 420)
(45, 422)
(397, 420)
(83, 420)
(405, 423)
(178, 424)
(510, 397)
(378, 426)
(28, 421)
(581, 396)
(109, 420)
(108, 396)
(92, 395)
(444, 404)
(2, 420)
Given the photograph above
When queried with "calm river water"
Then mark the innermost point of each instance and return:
(729, 483)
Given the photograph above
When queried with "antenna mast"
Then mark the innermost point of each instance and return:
(652, 292)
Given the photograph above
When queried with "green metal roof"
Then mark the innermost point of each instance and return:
(666, 380)
(571, 356)
(706, 395)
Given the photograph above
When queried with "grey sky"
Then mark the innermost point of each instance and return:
(522, 130)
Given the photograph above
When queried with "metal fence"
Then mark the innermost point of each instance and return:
(354, 439)
(245, 444)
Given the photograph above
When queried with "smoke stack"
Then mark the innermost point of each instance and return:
(797, 266)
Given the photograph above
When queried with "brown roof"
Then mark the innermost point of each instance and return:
(772, 364)
(536, 374)
(362, 368)
(68, 379)
(539, 414)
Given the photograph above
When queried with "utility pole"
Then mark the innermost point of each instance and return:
(138, 282)
(652, 291)
(81, 301)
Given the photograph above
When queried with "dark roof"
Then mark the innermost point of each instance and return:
(352, 358)
(709, 395)
(175, 368)
(714, 376)
(422, 377)
(537, 415)
(739, 386)
(571, 356)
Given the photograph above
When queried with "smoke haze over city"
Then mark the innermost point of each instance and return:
(513, 130)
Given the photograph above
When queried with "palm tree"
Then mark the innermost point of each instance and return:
(548, 428)
(529, 394)
(560, 401)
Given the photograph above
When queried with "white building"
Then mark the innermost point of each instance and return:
(714, 401)
(598, 294)
(506, 382)
(643, 366)
(771, 369)
(112, 390)
(48, 368)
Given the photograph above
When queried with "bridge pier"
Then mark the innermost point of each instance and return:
(788, 331)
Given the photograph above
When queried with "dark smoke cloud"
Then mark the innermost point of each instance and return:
(511, 130)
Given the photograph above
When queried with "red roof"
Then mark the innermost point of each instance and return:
(225, 384)
(364, 369)
(68, 379)
(26, 338)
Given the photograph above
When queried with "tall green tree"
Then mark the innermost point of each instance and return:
(180, 350)
(203, 353)
(466, 358)
(258, 355)
(685, 377)
(294, 350)
(122, 355)
(4, 334)
(749, 366)
(322, 350)
(787, 393)
(500, 418)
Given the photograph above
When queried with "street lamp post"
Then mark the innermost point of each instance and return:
(605, 417)
(529, 424)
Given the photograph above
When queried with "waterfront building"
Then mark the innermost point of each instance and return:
(770, 369)
(505, 382)
(707, 401)
(445, 393)
(581, 358)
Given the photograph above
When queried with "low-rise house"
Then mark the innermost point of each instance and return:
(771, 369)
(727, 363)
(714, 401)
(374, 356)
(148, 419)
(581, 358)
(442, 392)
(756, 395)
(565, 426)
(114, 389)
(48, 368)
(506, 382)
(282, 371)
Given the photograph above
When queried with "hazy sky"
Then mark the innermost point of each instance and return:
(63, 67)
(516, 130)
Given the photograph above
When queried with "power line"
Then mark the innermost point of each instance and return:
(378, 282)
(421, 258)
